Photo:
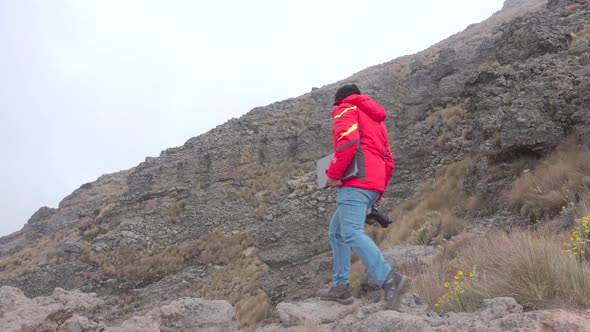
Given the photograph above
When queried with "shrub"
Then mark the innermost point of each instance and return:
(580, 239)
(428, 281)
(581, 38)
(568, 211)
(458, 296)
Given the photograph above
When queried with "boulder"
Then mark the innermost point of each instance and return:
(298, 313)
(185, 314)
(60, 312)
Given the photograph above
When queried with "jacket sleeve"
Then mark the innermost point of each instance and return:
(346, 141)
(389, 165)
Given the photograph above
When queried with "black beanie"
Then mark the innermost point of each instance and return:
(345, 91)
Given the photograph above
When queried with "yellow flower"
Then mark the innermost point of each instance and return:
(457, 298)
(462, 291)
(456, 277)
(456, 282)
(460, 273)
(436, 305)
(446, 285)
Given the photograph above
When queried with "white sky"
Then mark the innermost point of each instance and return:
(93, 87)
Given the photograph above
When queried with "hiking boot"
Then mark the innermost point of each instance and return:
(394, 289)
(340, 294)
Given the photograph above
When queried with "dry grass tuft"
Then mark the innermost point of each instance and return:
(251, 310)
(446, 121)
(452, 116)
(101, 212)
(428, 281)
(357, 269)
(438, 226)
(541, 192)
(35, 254)
(535, 271)
(426, 219)
(434, 203)
(92, 226)
(174, 211)
(142, 262)
(573, 7)
(235, 280)
(259, 184)
(583, 206)
(312, 325)
(532, 269)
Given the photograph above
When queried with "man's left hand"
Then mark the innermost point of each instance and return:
(333, 183)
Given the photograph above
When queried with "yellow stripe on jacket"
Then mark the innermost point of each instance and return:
(345, 110)
(350, 130)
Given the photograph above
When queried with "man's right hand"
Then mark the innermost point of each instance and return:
(333, 183)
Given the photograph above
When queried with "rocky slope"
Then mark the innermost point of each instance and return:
(514, 85)
(65, 311)
(77, 311)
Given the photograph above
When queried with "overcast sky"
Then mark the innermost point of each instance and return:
(93, 87)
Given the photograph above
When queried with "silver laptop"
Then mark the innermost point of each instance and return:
(323, 164)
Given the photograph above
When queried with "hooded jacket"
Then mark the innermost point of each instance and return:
(359, 130)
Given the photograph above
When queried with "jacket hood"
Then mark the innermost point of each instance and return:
(367, 105)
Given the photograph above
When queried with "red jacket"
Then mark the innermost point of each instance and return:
(360, 119)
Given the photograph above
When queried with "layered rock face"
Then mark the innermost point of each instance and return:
(514, 85)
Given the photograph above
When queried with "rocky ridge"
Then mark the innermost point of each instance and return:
(518, 82)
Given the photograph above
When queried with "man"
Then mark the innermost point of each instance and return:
(359, 133)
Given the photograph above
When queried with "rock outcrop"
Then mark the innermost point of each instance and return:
(62, 311)
(69, 311)
(498, 314)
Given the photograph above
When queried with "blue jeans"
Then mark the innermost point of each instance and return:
(347, 230)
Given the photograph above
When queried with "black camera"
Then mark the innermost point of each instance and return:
(377, 217)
